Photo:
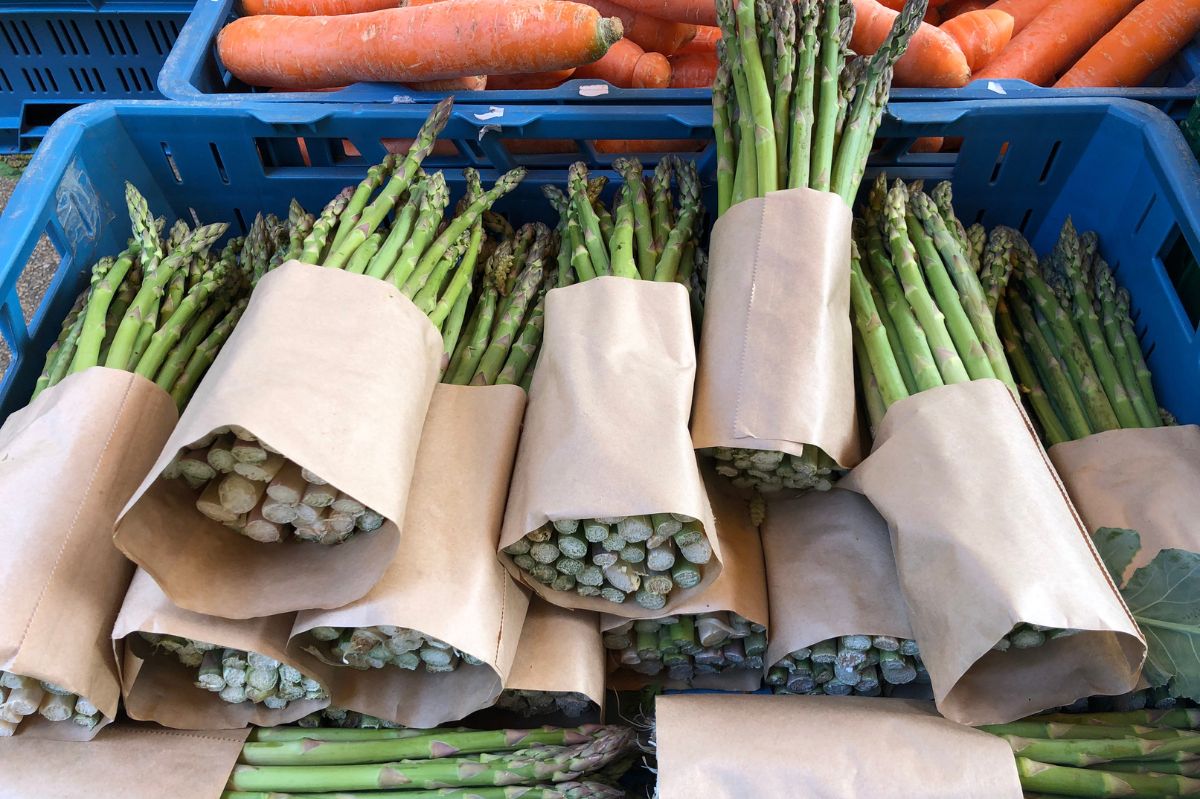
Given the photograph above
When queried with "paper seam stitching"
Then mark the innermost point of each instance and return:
(737, 405)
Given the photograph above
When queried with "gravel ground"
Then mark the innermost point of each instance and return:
(35, 279)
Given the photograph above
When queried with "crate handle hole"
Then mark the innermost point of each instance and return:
(1025, 220)
(216, 154)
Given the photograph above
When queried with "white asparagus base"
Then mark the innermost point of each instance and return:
(378, 647)
(21, 697)
(251, 488)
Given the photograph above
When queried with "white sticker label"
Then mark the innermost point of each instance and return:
(593, 90)
(492, 113)
(995, 88)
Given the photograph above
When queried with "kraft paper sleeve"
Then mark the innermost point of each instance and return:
(560, 651)
(158, 688)
(1145, 480)
(986, 538)
(606, 428)
(68, 463)
(824, 747)
(830, 572)
(335, 371)
(126, 761)
(776, 357)
(445, 580)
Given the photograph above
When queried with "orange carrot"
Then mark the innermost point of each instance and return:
(442, 40)
(981, 34)
(1056, 39)
(705, 41)
(932, 59)
(1138, 45)
(697, 12)
(314, 8)
(957, 7)
(649, 33)
(630, 67)
(467, 83)
(1023, 11)
(927, 144)
(535, 80)
(693, 70)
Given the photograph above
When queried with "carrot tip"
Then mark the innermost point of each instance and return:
(611, 31)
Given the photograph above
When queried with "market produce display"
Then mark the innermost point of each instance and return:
(419, 761)
(650, 233)
(24, 696)
(791, 110)
(377, 647)
(162, 308)
(237, 676)
(1139, 753)
(1068, 333)
(688, 645)
(862, 665)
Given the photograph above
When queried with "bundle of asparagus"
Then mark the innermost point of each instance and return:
(336, 717)
(25, 696)
(862, 665)
(238, 676)
(1159, 698)
(161, 308)
(377, 647)
(922, 312)
(1067, 330)
(689, 645)
(242, 481)
(792, 108)
(571, 704)
(648, 236)
(1138, 753)
(546, 762)
(500, 340)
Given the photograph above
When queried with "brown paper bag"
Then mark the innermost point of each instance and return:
(985, 537)
(740, 588)
(824, 747)
(606, 429)
(68, 462)
(127, 761)
(335, 371)
(158, 688)
(830, 572)
(776, 359)
(559, 652)
(445, 580)
(1145, 480)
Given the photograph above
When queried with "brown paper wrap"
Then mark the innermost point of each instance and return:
(445, 580)
(830, 572)
(158, 688)
(740, 588)
(776, 356)
(335, 371)
(127, 761)
(824, 747)
(560, 651)
(1144, 480)
(606, 430)
(985, 537)
(68, 462)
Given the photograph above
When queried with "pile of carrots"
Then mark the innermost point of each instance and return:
(461, 45)
(469, 45)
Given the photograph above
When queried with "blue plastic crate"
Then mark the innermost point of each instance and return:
(1118, 167)
(57, 54)
(193, 72)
